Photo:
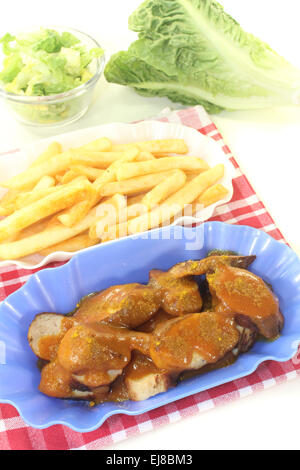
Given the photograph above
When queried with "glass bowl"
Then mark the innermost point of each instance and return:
(62, 108)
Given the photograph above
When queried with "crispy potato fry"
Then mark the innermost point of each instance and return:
(53, 234)
(7, 202)
(69, 200)
(54, 149)
(110, 174)
(57, 165)
(130, 170)
(213, 194)
(164, 189)
(134, 185)
(9, 196)
(135, 210)
(197, 186)
(89, 171)
(44, 187)
(170, 208)
(135, 199)
(77, 212)
(59, 177)
(110, 213)
(100, 160)
(30, 230)
(69, 176)
(79, 242)
(44, 183)
(7, 210)
(191, 175)
(162, 155)
(99, 145)
(24, 199)
(51, 167)
(63, 197)
(34, 228)
(145, 156)
(156, 146)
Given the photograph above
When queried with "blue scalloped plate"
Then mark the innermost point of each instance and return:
(130, 260)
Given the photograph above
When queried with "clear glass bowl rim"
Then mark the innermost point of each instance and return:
(37, 100)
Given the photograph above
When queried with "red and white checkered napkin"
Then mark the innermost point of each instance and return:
(245, 208)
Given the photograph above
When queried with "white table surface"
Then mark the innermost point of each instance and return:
(266, 145)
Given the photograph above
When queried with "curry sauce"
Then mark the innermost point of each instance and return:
(133, 341)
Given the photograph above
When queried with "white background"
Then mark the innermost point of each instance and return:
(265, 143)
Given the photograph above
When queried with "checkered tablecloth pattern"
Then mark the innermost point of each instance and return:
(245, 208)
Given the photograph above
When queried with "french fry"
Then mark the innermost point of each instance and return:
(156, 146)
(110, 213)
(63, 197)
(69, 200)
(164, 189)
(191, 176)
(144, 156)
(134, 185)
(55, 233)
(10, 201)
(110, 174)
(78, 211)
(41, 189)
(135, 199)
(31, 176)
(100, 160)
(91, 172)
(141, 204)
(7, 202)
(44, 183)
(34, 228)
(100, 145)
(130, 170)
(79, 242)
(213, 194)
(59, 177)
(103, 144)
(9, 196)
(24, 199)
(69, 176)
(6, 210)
(30, 230)
(52, 165)
(170, 208)
(53, 149)
(162, 155)
(135, 210)
(197, 186)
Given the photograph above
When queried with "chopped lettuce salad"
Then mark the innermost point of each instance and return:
(45, 63)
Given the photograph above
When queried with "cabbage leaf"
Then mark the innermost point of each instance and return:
(193, 52)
